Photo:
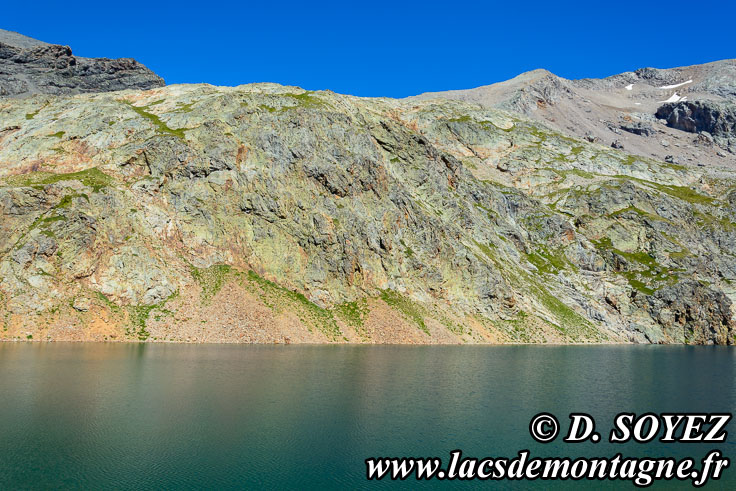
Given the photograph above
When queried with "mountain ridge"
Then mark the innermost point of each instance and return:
(264, 213)
(29, 66)
(622, 109)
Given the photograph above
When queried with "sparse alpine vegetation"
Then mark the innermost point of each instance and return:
(316, 217)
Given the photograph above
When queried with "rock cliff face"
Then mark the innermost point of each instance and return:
(717, 119)
(270, 214)
(32, 67)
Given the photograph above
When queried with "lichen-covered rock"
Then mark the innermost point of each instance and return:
(693, 313)
(271, 214)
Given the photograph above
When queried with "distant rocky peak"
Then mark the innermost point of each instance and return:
(657, 76)
(28, 66)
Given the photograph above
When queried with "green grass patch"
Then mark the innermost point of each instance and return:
(486, 249)
(94, 178)
(638, 211)
(305, 99)
(107, 302)
(680, 192)
(407, 250)
(572, 324)
(681, 254)
(640, 257)
(547, 262)
(210, 279)
(486, 125)
(138, 316)
(637, 284)
(676, 167)
(686, 194)
(651, 270)
(462, 119)
(353, 313)
(160, 126)
(579, 173)
(311, 314)
(66, 201)
(44, 222)
(183, 108)
(517, 329)
(52, 219)
(456, 328)
(41, 223)
(5, 311)
(58, 134)
(406, 306)
(565, 315)
(539, 133)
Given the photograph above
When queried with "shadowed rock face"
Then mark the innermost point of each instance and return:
(38, 68)
(718, 119)
(267, 213)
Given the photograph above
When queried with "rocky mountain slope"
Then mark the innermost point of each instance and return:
(28, 66)
(18, 40)
(264, 213)
(685, 115)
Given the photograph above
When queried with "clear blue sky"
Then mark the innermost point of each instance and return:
(383, 48)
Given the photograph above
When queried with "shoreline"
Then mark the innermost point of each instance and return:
(30, 341)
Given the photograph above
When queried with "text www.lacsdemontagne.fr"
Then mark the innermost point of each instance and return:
(640, 471)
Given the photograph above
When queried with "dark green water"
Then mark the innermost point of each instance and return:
(182, 416)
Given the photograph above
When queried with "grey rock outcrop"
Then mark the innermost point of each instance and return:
(717, 119)
(692, 312)
(27, 68)
(639, 128)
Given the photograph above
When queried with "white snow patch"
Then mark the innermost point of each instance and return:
(637, 103)
(630, 86)
(683, 99)
(676, 85)
(673, 98)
